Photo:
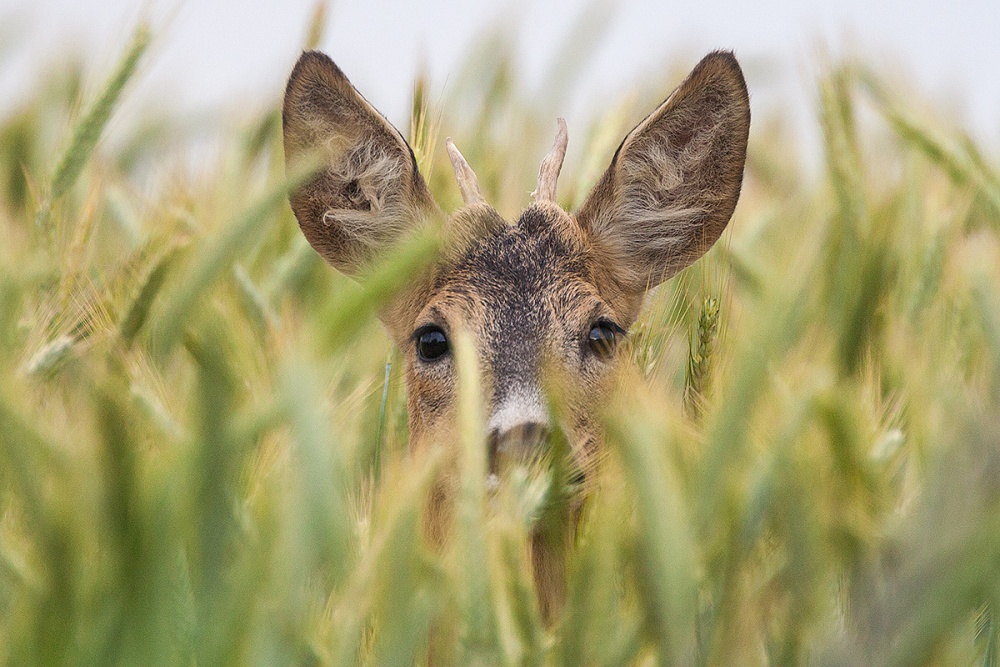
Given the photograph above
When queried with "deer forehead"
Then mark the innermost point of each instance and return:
(520, 285)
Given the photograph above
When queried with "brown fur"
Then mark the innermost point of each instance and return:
(528, 291)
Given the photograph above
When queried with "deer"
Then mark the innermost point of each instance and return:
(552, 291)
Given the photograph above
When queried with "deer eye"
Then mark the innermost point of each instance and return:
(603, 338)
(432, 344)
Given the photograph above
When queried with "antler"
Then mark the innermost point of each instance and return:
(467, 181)
(548, 173)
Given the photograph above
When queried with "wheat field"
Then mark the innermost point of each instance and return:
(203, 448)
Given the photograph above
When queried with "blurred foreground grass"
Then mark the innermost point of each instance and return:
(202, 428)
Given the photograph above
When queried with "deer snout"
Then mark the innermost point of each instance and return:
(520, 443)
(518, 428)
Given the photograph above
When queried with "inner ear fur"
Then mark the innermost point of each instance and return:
(369, 192)
(673, 183)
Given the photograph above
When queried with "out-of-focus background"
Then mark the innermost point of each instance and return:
(215, 57)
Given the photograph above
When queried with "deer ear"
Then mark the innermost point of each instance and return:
(674, 181)
(369, 192)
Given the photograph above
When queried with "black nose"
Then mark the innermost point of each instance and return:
(518, 444)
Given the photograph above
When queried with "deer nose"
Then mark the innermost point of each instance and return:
(520, 443)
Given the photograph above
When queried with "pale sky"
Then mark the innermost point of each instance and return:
(228, 55)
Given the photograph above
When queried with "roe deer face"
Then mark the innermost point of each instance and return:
(552, 292)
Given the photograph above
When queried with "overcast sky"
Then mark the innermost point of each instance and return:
(228, 54)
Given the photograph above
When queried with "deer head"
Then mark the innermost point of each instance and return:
(553, 291)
